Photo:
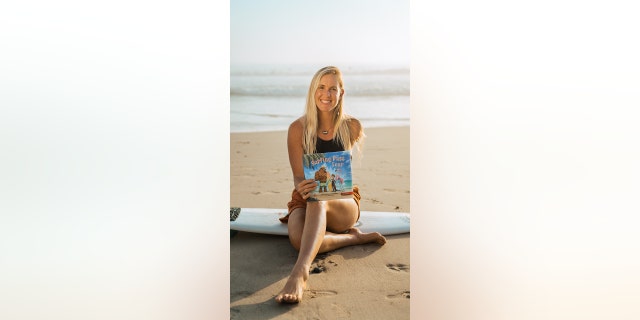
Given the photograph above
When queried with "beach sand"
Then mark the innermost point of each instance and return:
(358, 282)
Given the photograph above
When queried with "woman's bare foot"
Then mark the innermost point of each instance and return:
(293, 289)
(368, 237)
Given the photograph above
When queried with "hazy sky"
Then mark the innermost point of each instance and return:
(331, 31)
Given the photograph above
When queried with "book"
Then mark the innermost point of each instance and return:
(332, 172)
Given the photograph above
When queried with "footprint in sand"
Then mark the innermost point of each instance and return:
(398, 267)
(319, 264)
(321, 293)
(256, 193)
(399, 295)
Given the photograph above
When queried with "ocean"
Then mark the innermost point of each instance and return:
(269, 98)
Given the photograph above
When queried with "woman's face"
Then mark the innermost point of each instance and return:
(328, 93)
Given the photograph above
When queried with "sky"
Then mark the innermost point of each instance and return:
(303, 32)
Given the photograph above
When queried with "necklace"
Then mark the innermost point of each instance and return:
(324, 131)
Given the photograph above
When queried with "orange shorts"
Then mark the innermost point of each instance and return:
(297, 202)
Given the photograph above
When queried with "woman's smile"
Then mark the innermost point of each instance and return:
(328, 93)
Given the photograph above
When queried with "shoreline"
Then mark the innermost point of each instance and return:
(367, 128)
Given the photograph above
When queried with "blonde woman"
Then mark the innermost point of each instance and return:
(320, 226)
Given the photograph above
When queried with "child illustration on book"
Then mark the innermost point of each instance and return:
(339, 182)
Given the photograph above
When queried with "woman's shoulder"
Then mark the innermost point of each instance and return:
(354, 123)
(297, 126)
(355, 127)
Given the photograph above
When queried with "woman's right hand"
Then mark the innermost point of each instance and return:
(305, 187)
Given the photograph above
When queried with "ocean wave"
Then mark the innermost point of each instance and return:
(289, 116)
(266, 115)
(364, 82)
(302, 95)
(268, 92)
(361, 91)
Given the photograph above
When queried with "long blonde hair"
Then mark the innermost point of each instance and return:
(340, 118)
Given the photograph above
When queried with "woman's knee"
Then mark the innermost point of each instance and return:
(342, 215)
(316, 207)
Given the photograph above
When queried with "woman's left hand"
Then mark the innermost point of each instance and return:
(305, 187)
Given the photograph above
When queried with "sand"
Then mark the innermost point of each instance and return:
(359, 282)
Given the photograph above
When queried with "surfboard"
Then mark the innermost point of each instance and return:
(263, 220)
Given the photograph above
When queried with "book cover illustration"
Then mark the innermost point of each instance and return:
(332, 172)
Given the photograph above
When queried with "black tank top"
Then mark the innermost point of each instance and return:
(328, 146)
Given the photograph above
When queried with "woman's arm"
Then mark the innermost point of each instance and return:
(355, 130)
(294, 146)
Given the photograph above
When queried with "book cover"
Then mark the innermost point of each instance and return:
(332, 172)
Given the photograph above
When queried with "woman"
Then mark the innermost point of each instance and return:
(320, 226)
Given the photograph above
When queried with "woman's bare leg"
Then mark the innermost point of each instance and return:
(307, 232)
(311, 236)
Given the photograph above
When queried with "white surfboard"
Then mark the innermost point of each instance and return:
(262, 220)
